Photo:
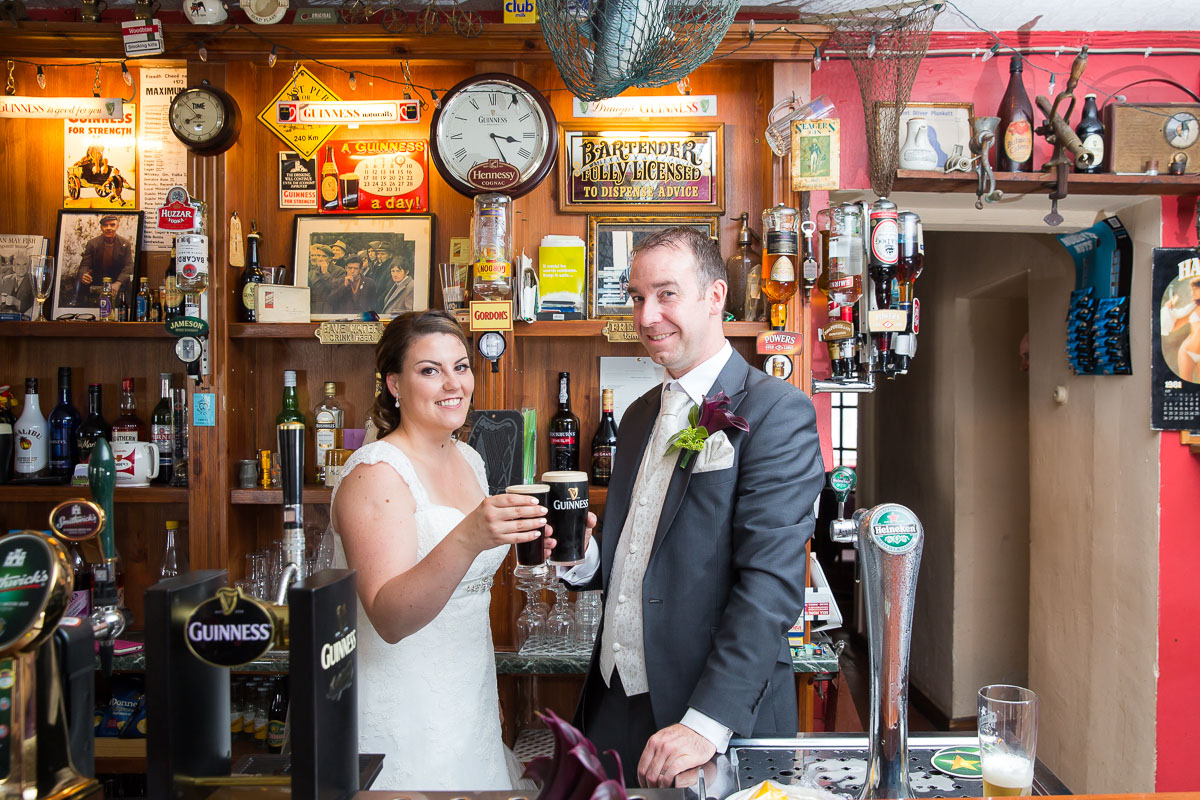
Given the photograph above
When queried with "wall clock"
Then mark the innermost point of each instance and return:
(206, 119)
(493, 133)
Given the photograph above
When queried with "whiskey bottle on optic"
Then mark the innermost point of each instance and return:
(564, 429)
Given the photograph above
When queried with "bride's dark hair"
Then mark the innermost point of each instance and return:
(397, 339)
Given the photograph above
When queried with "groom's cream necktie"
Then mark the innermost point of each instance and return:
(622, 645)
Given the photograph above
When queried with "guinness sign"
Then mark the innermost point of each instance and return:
(229, 630)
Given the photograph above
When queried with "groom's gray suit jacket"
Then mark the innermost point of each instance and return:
(726, 575)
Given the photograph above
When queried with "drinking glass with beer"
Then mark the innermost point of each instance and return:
(1007, 739)
(531, 556)
(567, 514)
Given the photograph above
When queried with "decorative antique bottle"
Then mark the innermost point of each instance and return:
(1090, 131)
(743, 267)
(252, 275)
(1014, 137)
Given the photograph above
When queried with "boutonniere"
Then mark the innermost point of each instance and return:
(703, 421)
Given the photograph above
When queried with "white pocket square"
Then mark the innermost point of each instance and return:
(716, 455)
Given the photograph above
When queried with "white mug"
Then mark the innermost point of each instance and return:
(137, 462)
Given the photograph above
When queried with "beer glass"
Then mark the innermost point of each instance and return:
(1007, 739)
(567, 514)
(531, 556)
(453, 278)
(41, 271)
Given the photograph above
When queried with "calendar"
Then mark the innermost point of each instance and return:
(1175, 357)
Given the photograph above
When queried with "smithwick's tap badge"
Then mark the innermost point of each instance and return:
(335, 655)
(77, 520)
(35, 587)
(229, 629)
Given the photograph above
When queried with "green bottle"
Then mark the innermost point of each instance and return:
(291, 400)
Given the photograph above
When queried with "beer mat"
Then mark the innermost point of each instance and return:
(123, 647)
(961, 762)
(498, 437)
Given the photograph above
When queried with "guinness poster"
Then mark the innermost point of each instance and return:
(1175, 356)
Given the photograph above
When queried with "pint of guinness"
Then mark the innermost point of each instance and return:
(567, 514)
(531, 556)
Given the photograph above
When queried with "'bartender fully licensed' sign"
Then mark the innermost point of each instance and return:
(654, 167)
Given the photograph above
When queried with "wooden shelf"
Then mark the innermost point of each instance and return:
(313, 494)
(573, 327)
(909, 180)
(34, 493)
(86, 330)
(125, 756)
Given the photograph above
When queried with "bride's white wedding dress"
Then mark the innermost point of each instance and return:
(429, 702)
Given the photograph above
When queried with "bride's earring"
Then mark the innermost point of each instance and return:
(397, 402)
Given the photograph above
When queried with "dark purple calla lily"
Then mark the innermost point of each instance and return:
(715, 417)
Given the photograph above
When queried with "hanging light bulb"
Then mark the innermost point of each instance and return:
(991, 52)
(436, 103)
(273, 56)
(203, 52)
(125, 76)
(353, 81)
(684, 85)
(871, 48)
(41, 78)
(816, 59)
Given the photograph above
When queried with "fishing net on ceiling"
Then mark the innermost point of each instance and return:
(885, 44)
(603, 47)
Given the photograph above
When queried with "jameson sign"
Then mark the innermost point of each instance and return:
(79, 108)
(650, 168)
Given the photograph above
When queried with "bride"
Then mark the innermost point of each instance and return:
(413, 518)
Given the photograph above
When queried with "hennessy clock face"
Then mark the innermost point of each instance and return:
(494, 133)
(206, 119)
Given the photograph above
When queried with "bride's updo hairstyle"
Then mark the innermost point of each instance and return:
(397, 339)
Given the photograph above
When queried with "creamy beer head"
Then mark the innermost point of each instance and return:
(567, 514)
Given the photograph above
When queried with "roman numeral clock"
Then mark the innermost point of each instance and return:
(493, 133)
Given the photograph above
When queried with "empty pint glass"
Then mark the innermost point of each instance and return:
(1007, 739)
(531, 556)
(567, 514)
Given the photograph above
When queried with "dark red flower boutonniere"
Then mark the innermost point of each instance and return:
(703, 421)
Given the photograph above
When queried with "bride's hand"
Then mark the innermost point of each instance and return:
(502, 519)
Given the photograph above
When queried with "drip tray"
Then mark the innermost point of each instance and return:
(837, 763)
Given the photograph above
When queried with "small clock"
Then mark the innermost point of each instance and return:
(493, 133)
(206, 119)
(1182, 130)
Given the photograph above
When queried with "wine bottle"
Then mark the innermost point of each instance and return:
(564, 429)
(604, 443)
(7, 423)
(1014, 139)
(277, 716)
(252, 275)
(162, 431)
(127, 427)
(1090, 131)
(32, 443)
(94, 427)
(291, 400)
(64, 428)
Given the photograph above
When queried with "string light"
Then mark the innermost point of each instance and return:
(436, 103)
(816, 59)
(871, 47)
(41, 78)
(273, 56)
(991, 52)
(125, 76)
(353, 81)
(203, 52)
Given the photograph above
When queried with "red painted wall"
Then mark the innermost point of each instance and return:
(960, 78)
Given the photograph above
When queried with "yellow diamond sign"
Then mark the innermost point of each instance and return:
(304, 139)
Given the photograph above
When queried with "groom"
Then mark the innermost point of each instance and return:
(703, 566)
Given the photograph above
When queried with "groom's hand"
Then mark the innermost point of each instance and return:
(672, 750)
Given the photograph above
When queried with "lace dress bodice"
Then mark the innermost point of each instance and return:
(429, 702)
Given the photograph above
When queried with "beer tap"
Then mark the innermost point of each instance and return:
(108, 617)
(889, 539)
(842, 481)
(291, 461)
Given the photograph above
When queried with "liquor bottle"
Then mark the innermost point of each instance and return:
(121, 305)
(329, 182)
(262, 708)
(491, 246)
(107, 312)
(32, 443)
(174, 563)
(64, 428)
(144, 301)
(158, 303)
(291, 400)
(604, 443)
(127, 427)
(162, 431)
(94, 427)
(7, 423)
(741, 265)
(781, 260)
(173, 306)
(1091, 132)
(564, 429)
(885, 252)
(329, 420)
(252, 275)
(1014, 137)
(277, 715)
(908, 269)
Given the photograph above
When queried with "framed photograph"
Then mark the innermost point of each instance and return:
(949, 124)
(611, 241)
(650, 167)
(353, 264)
(16, 278)
(92, 245)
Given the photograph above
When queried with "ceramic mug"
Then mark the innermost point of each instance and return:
(137, 462)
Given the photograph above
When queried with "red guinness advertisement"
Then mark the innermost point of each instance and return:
(379, 176)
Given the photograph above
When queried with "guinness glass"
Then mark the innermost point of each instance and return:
(531, 556)
(348, 185)
(567, 514)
